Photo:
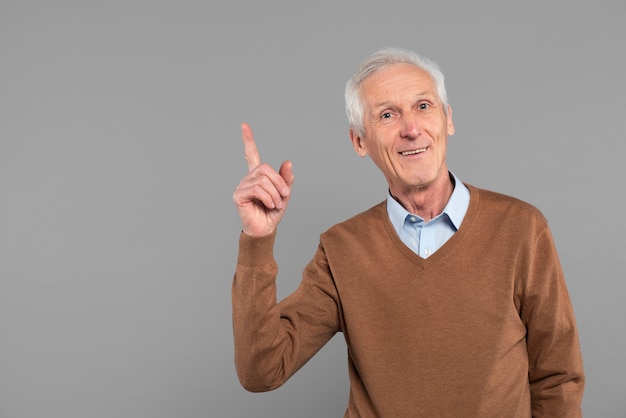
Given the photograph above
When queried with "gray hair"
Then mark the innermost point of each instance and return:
(377, 61)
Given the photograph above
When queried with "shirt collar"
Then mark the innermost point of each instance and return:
(455, 209)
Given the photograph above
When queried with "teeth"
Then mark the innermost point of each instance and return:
(417, 151)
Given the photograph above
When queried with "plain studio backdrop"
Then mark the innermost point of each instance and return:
(120, 150)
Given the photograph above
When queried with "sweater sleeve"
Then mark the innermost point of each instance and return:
(273, 340)
(555, 363)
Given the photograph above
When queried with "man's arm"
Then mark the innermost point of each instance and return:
(273, 340)
(555, 362)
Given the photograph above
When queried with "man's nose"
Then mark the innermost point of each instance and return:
(410, 127)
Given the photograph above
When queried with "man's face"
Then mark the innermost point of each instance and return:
(406, 128)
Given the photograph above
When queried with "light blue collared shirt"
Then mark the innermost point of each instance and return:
(424, 238)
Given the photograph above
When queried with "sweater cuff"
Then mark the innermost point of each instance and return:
(255, 251)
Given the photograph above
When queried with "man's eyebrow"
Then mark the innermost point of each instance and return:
(382, 105)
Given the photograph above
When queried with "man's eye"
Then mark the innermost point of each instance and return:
(386, 115)
(424, 106)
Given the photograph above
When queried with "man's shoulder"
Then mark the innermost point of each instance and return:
(495, 203)
(362, 221)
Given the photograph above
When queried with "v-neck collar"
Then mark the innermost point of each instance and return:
(441, 253)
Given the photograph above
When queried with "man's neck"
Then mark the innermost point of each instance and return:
(427, 202)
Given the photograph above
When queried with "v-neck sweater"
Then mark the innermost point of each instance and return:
(484, 327)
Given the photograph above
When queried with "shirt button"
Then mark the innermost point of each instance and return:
(427, 251)
(412, 219)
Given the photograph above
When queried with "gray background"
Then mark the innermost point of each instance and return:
(120, 149)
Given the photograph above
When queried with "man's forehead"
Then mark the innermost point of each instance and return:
(389, 100)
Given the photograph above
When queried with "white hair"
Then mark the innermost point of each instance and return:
(377, 61)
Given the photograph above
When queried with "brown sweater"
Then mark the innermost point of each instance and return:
(483, 328)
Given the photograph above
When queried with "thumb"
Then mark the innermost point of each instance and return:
(286, 172)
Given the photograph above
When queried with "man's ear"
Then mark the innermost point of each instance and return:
(450, 124)
(357, 143)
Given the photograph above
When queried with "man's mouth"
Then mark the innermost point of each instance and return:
(414, 152)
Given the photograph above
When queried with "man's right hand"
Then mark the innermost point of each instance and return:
(262, 195)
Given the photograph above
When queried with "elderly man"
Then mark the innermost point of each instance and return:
(450, 297)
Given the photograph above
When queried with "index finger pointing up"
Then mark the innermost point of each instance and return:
(250, 151)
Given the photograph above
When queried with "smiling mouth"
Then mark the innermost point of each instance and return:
(414, 152)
